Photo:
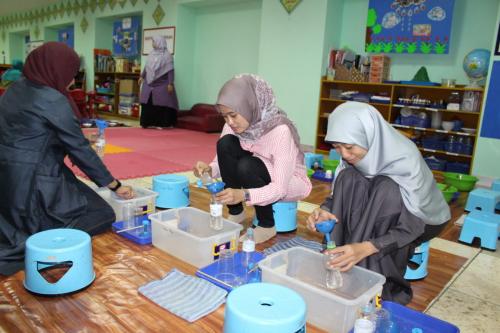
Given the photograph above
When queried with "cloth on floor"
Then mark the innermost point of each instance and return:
(186, 296)
(296, 241)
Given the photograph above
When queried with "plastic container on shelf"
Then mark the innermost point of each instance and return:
(458, 167)
(144, 198)
(302, 270)
(435, 164)
(186, 234)
(433, 142)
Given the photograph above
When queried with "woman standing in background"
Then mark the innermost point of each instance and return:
(158, 97)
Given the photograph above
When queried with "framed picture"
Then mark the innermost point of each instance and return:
(147, 38)
(497, 45)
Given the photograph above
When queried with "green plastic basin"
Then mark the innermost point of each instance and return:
(447, 190)
(463, 183)
(310, 172)
(330, 164)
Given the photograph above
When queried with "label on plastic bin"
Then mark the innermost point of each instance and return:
(216, 210)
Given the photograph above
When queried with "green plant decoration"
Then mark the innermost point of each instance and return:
(370, 47)
(379, 47)
(411, 47)
(439, 48)
(372, 18)
(377, 29)
(425, 47)
(400, 47)
(388, 47)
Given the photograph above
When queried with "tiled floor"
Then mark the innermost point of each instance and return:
(471, 300)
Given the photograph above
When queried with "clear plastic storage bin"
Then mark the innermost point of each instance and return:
(144, 198)
(302, 270)
(185, 233)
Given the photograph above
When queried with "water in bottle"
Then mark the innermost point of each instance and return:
(216, 222)
(334, 278)
(248, 257)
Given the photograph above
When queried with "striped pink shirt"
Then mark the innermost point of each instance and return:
(289, 181)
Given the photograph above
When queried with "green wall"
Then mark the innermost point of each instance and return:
(471, 28)
(487, 154)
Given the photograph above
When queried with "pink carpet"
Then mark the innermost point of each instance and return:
(156, 152)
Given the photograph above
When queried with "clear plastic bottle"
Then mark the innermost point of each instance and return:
(366, 321)
(216, 222)
(100, 143)
(248, 249)
(334, 278)
(128, 215)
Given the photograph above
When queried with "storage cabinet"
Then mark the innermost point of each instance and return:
(419, 112)
(117, 93)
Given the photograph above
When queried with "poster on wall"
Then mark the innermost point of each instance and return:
(491, 117)
(30, 46)
(126, 38)
(147, 38)
(66, 36)
(409, 26)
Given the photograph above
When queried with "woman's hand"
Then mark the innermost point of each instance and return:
(170, 89)
(201, 167)
(230, 196)
(125, 192)
(349, 255)
(319, 215)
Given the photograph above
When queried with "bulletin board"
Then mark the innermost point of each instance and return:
(126, 37)
(66, 36)
(491, 117)
(409, 26)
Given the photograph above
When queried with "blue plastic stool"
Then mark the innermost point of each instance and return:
(264, 308)
(58, 248)
(310, 158)
(484, 225)
(482, 199)
(333, 155)
(173, 191)
(285, 216)
(421, 258)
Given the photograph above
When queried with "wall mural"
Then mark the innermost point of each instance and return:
(409, 26)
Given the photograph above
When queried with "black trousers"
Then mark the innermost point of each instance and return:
(157, 116)
(239, 169)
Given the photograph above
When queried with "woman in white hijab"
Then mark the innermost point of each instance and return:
(385, 198)
(158, 97)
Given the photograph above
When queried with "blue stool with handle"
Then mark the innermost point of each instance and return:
(495, 186)
(421, 258)
(264, 308)
(285, 216)
(482, 199)
(481, 224)
(58, 248)
(173, 191)
(311, 158)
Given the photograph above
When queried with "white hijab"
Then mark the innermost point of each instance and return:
(159, 61)
(389, 154)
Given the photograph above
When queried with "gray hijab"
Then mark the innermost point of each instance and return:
(389, 154)
(159, 61)
(253, 98)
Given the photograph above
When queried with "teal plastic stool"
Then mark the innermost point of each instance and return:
(484, 225)
(311, 158)
(173, 191)
(421, 258)
(264, 308)
(285, 216)
(482, 199)
(58, 248)
(495, 186)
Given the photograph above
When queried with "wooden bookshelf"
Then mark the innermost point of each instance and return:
(113, 96)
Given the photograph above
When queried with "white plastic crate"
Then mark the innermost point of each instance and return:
(143, 198)
(191, 239)
(302, 270)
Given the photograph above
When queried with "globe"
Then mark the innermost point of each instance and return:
(475, 65)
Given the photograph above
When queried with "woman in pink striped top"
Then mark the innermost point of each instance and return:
(258, 154)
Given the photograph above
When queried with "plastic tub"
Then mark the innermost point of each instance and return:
(463, 183)
(330, 164)
(448, 191)
(301, 269)
(191, 239)
(143, 198)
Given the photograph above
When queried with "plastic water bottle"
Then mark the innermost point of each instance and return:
(216, 214)
(334, 278)
(248, 250)
(100, 143)
(206, 179)
(366, 322)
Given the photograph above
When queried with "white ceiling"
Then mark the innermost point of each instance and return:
(14, 6)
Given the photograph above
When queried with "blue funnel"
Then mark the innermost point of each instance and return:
(101, 125)
(215, 187)
(326, 227)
